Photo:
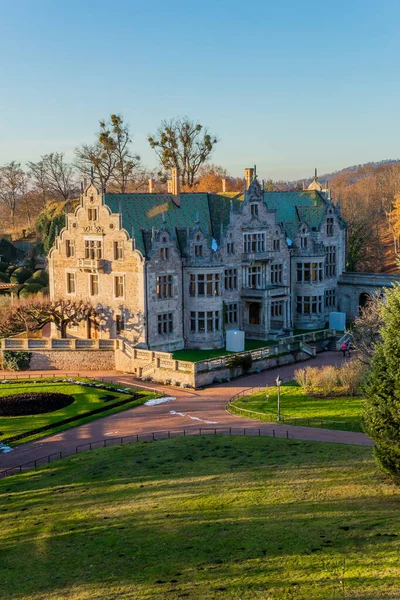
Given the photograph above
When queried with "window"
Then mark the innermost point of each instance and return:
(276, 309)
(164, 253)
(93, 284)
(165, 324)
(92, 214)
(253, 277)
(307, 305)
(230, 247)
(164, 286)
(329, 225)
(119, 286)
(231, 314)
(303, 242)
(93, 249)
(201, 284)
(330, 298)
(71, 287)
(277, 245)
(330, 261)
(120, 324)
(254, 210)
(198, 250)
(205, 321)
(70, 248)
(307, 272)
(276, 274)
(254, 242)
(118, 250)
(231, 279)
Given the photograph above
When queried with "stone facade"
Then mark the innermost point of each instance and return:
(176, 271)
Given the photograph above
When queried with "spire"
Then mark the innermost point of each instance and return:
(315, 174)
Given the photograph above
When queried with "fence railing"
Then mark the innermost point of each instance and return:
(33, 344)
(285, 419)
(144, 437)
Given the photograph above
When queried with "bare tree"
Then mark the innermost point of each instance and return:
(183, 144)
(110, 157)
(13, 182)
(34, 313)
(53, 177)
(366, 330)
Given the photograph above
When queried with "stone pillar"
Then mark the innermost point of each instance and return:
(151, 185)
(223, 181)
(175, 181)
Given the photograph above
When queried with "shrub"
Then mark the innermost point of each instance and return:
(10, 269)
(33, 403)
(29, 289)
(240, 360)
(3, 267)
(4, 277)
(20, 275)
(16, 361)
(352, 375)
(301, 379)
(327, 380)
(39, 276)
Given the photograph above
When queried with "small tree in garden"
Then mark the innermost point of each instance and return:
(33, 313)
(382, 411)
(365, 333)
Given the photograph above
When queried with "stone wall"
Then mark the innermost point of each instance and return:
(73, 360)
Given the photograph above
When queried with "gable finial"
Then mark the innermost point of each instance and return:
(315, 174)
(164, 220)
(197, 221)
(255, 172)
(91, 174)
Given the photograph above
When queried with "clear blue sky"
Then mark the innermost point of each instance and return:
(288, 85)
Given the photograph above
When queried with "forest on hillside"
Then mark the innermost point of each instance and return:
(34, 197)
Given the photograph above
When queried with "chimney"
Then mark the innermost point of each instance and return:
(223, 185)
(151, 185)
(175, 181)
(248, 176)
(169, 186)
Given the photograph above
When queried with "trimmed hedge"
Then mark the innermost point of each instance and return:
(33, 403)
(20, 275)
(4, 278)
(3, 267)
(29, 289)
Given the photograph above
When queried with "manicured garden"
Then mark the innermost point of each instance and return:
(85, 400)
(199, 355)
(203, 517)
(300, 408)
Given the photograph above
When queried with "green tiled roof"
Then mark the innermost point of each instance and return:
(141, 212)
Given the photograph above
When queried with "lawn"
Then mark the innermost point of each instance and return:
(86, 400)
(203, 518)
(346, 411)
(199, 355)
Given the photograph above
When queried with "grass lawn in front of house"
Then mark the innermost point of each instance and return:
(203, 518)
(86, 399)
(199, 355)
(341, 412)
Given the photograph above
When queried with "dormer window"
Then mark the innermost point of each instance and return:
(303, 242)
(92, 214)
(254, 209)
(198, 250)
(329, 226)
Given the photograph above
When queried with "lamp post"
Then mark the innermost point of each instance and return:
(278, 381)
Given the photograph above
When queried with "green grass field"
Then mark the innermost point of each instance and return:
(345, 411)
(199, 355)
(202, 518)
(86, 400)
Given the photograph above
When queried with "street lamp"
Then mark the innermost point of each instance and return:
(278, 381)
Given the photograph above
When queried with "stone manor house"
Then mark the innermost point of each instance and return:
(173, 271)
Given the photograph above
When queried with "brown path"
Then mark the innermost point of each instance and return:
(200, 408)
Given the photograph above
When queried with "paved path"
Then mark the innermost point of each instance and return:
(191, 410)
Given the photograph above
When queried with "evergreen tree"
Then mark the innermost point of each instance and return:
(382, 411)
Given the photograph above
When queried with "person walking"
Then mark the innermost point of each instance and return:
(344, 349)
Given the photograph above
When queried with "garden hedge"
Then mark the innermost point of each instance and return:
(33, 403)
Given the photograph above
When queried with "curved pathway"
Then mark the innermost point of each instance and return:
(191, 410)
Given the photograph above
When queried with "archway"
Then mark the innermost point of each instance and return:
(363, 300)
(254, 313)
